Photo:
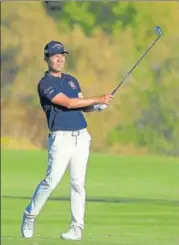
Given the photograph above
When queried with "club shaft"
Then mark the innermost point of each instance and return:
(136, 64)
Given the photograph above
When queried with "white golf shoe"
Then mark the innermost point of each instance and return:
(27, 227)
(74, 233)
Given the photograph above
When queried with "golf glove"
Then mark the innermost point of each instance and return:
(99, 107)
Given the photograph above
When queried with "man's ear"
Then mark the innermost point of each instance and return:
(45, 58)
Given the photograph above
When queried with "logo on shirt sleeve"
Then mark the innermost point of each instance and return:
(49, 90)
(72, 85)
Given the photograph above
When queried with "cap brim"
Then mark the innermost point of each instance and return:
(63, 52)
(52, 54)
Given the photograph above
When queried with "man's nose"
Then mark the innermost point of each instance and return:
(60, 60)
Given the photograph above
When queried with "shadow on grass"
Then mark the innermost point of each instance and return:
(107, 200)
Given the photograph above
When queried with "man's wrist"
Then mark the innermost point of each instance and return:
(96, 100)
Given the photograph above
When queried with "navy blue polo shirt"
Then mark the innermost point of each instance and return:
(59, 117)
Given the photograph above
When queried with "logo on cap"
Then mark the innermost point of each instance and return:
(57, 45)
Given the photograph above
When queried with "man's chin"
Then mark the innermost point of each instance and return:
(57, 70)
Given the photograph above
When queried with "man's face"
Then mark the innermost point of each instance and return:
(56, 62)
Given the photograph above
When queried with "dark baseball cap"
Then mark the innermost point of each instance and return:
(54, 47)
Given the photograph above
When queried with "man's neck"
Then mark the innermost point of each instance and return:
(55, 74)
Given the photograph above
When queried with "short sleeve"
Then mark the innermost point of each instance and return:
(49, 89)
(77, 84)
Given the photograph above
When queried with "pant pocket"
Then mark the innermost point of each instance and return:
(86, 137)
(53, 141)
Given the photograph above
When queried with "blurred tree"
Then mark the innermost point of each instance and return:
(105, 40)
(89, 15)
(9, 68)
(156, 100)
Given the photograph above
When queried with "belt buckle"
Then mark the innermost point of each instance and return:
(75, 133)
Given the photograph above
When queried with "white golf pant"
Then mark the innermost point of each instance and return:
(65, 150)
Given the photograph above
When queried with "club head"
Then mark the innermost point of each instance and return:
(158, 30)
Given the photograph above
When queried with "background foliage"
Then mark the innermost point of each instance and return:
(105, 39)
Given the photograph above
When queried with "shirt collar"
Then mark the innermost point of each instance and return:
(48, 74)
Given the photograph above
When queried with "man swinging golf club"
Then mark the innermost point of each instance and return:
(68, 142)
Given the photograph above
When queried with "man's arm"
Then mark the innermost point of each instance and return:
(71, 103)
(91, 108)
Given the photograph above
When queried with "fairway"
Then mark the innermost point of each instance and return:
(131, 200)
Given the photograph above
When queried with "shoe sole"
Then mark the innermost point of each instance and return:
(26, 237)
(64, 238)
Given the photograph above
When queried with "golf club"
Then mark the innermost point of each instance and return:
(158, 31)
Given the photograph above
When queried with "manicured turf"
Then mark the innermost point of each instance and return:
(131, 200)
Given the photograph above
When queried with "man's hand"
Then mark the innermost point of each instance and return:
(102, 107)
(103, 102)
(99, 107)
(105, 99)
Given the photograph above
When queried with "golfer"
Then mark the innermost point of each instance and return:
(68, 140)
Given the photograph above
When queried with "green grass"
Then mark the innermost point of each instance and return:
(141, 200)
